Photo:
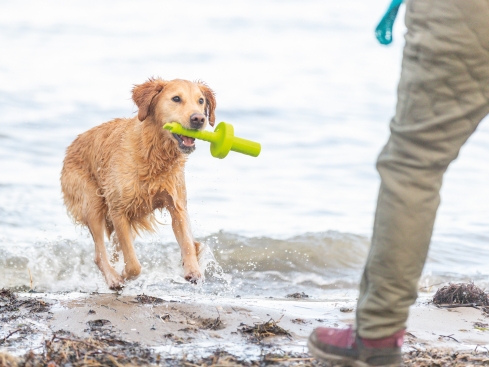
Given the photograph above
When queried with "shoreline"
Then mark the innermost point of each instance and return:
(194, 327)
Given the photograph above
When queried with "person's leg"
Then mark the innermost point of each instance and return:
(443, 95)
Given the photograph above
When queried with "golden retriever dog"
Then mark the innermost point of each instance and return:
(117, 174)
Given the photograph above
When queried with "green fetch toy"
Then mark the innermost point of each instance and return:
(222, 139)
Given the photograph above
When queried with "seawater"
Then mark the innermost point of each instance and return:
(304, 78)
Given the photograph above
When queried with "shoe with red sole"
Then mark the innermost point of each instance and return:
(345, 347)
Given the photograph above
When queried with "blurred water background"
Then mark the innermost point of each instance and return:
(305, 78)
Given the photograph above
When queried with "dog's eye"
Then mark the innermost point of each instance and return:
(201, 101)
(176, 99)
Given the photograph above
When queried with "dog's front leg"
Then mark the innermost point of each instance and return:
(132, 267)
(188, 246)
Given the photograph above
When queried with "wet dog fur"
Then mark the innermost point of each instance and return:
(117, 174)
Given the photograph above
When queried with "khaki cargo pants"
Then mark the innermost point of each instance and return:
(443, 94)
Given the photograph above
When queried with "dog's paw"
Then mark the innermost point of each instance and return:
(131, 271)
(115, 282)
(193, 277)
(117, 286)
(192, 274)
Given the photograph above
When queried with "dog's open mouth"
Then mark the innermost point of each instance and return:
(185, 143)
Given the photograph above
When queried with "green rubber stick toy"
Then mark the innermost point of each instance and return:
(222, 139)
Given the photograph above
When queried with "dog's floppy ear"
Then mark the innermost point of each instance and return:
(210, 101)
(143, 94)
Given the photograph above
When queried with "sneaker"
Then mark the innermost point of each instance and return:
(344, 347)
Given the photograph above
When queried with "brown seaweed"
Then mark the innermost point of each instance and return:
(444, 358)
(261, 330)
(68, 351)
(461, 294)
(144, 299)
(297, 295)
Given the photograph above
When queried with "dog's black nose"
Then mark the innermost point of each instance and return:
(197, 120)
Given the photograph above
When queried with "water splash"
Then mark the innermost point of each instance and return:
(232, 265)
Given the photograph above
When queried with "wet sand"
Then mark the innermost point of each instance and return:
(197, 325)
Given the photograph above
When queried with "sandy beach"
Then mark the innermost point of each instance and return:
(187, 329)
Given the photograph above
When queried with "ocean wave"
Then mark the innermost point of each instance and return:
(233, 264)
(315, 253)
